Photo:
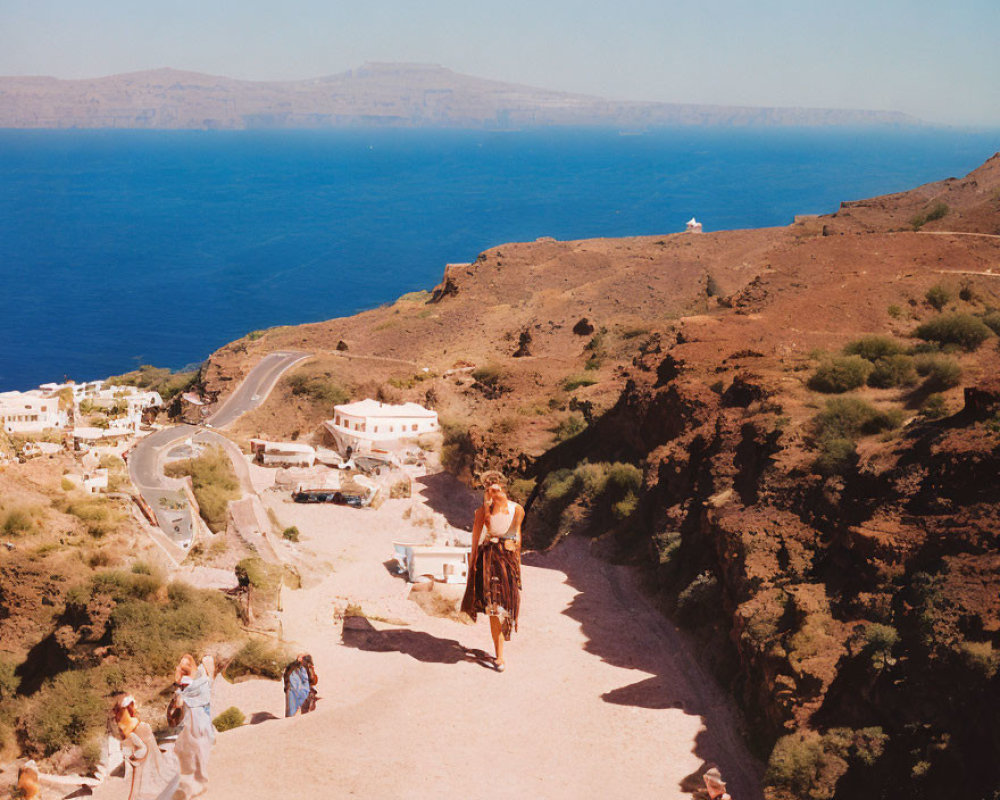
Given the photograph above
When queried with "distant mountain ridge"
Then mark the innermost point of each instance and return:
(384, 94)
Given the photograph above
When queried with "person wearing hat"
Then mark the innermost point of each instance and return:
(714, 785)
(154, 774)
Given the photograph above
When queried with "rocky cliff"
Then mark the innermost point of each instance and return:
(796, 432)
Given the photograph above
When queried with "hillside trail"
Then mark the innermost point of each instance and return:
(601, 697)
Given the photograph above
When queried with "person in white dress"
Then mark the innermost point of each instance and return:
(155, 774)
(192, 701)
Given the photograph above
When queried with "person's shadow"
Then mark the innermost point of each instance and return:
(361, 635)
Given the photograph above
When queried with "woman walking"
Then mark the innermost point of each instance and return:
(494, 582)
(192, 702)
(154, 773)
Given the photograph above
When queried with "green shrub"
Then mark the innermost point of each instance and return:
(521, 488)
(457, 452)
(571, 426)
(938, 296)
(66, 711)
(18, 522)
(939, 372)
(981, 658)
(231, 718)
(836, 456)
(964, 330)
(937, 211)
(795, 763)
(992, 321)
(264, 659)
(121, 586)
(711, 286)
(491, 375)
(894, 311)
(698, 598)
(98, 515)
(253, 336)
(625, 507)
(890, 371)
(576, 381)
(879, 642)
(873, 348)
(9, 682)
(155, 635)
(259, 573)
(840, 375)
(168, 384)
(213, 481)
(934, 407)
(851, 417)
(318, 388)
(291, 533)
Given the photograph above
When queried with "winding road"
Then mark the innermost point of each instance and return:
(145, 461)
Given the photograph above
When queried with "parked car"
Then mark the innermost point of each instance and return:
(335, 496)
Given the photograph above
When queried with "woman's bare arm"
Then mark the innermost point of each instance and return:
(477, 530)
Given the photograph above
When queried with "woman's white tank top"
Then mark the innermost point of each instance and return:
(500, 524)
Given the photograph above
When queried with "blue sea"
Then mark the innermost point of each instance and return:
(120, 248)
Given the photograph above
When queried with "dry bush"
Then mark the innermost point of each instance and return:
(260, 658)
(213, 481)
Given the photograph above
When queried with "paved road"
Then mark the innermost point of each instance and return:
(145, 461)
(255, 387)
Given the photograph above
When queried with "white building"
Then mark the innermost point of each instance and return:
(693, 226)
(30, 412)
(368, 425)
(282, 454)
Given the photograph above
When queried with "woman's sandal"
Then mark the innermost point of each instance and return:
(499, 666)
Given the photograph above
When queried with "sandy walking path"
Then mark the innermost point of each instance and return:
(600, 698)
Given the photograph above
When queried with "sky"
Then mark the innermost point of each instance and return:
(939, 61)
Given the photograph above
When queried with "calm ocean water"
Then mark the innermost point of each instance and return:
(119, 248)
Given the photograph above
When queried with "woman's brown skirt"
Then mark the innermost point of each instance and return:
(494, 586)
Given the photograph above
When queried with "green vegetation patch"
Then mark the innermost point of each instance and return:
(213, 481)
(935, 212)
(872, 348)
(259, 658)
(939, 372)
(892, 371)
(851, 417)
(68, 710)
(231, 718)
(18, 521)
(572, 425)
(576, 381)
(938, 296)
(838, 375)
(991, 319)
(965, 330)
(319, 388)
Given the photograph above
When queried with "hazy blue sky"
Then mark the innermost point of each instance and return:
(937, 60)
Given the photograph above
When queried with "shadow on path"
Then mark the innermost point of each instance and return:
(448, 496)
(361, 635)
(625, 630)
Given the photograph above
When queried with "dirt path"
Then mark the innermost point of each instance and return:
(600, 698)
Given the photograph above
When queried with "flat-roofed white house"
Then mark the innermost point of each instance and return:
(30, 412)
(369, 425)
(282, 454)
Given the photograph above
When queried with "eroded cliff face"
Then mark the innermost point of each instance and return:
(855, 616)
